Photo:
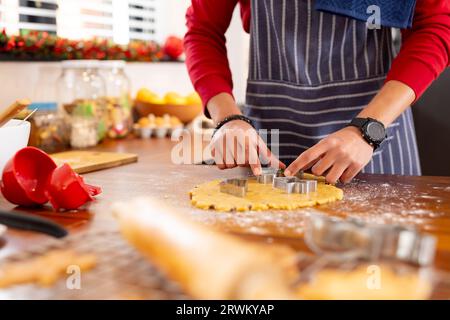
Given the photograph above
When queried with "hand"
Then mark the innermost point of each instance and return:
(238, 144)
(341, 156)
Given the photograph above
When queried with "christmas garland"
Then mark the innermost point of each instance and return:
(42, 46)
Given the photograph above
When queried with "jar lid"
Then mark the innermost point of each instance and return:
(112, 64)
(80, 64)
(43, 106)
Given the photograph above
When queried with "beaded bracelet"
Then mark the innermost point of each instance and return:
(232, 118)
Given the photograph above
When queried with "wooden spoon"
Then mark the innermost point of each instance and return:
(11, 111)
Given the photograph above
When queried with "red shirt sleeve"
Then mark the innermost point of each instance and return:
(206, 52)
(425, 51)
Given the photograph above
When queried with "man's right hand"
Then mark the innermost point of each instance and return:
(237, 143)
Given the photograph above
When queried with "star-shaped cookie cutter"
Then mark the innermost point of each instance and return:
(295, 185)
(288, 184)
(239, 186)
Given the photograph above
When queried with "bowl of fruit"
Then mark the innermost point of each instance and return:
(185, 108)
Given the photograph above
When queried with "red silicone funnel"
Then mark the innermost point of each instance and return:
(26, 176)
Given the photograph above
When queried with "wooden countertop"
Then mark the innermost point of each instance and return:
(419, 201)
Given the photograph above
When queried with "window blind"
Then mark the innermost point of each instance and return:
(18, 15)
(143, 19)
(118, 20)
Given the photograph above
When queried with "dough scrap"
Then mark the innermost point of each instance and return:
(260, 197)
(44, 270)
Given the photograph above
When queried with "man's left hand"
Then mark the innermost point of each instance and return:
(340, 156)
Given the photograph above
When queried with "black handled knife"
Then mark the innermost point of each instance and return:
(27, 222)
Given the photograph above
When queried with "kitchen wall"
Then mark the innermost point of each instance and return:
(37, 80)
(432, 120)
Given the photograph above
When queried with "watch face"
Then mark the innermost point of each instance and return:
(376, 131)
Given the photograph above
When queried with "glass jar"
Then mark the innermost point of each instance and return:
(66, 87)
(49, 130)
(118, 98)
(84, 132)
(81, 95)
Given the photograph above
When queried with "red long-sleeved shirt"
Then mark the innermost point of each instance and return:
(425, 51)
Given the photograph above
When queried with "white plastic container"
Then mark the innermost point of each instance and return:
(14, 136)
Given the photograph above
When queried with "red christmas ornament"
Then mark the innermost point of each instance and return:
(174, 47)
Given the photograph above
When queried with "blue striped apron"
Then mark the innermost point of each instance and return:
(312, 72)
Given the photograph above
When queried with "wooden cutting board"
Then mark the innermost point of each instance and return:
(89, 161)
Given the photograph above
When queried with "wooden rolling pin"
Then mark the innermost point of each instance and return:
(208, 264)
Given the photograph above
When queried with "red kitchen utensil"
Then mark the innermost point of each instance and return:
(26, 176)
(67, 190)
(31, 178)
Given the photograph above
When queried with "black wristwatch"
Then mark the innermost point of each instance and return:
(373, 131)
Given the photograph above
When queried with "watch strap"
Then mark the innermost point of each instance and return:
(358, 122)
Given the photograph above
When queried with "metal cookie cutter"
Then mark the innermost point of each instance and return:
(295, 185)
(235, 187)
(355, 239)
(306, 186)
(287, 184)
(267, 175)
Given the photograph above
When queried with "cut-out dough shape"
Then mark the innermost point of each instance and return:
(44, 270)
(260, 197)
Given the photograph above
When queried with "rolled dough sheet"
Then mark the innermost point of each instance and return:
(260, 197)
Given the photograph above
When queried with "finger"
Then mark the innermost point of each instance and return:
(251, 151)
(254, 162)
(228, 147)
(212, 148)
(276, 164)
(207, 155)
(311, 164)
(215, 144)
(263, 151)
(350, 173)
(241, 149)
(336, 172)
(242, 155)
(310, 155)
(322, 165)
(218, 155)
(268, 156)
